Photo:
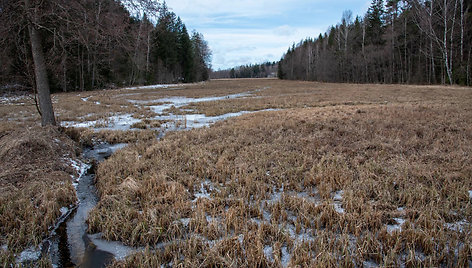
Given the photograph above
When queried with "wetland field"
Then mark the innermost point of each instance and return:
(244, 173)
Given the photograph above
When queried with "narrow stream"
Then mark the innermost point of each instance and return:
(72, 246)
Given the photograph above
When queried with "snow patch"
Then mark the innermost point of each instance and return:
(179, 101)
(153, 86)
(470, 194)
(338, 199)
(338, 196)
(457, 226)
(369, 264)
(12, 99)
(285, 257)
(80, 167)
(396, 227)
(116, 122)
(28, 255)
(202, 192)
(174, 122)
(185, 221)
(64, 211)
(268, 252)
(118, 249)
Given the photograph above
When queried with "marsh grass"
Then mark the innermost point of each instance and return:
(307, 186)
(343, 175)
(90, 137)
(35, 182)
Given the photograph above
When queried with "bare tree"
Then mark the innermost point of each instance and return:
(32, 12)
(443, 15)
(345, 22)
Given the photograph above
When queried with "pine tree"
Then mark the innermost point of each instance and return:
(375, 25)
(186, 56)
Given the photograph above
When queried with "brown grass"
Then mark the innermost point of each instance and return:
(413, 155)
(35, 182)
(277, 94)
(89, 137)
(251, 190)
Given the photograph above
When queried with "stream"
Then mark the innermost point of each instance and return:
(71, 245)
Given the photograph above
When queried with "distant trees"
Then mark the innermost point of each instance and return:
(397, 41)
(267, 69)
(201, 57)
(175, 55)
(62, 45)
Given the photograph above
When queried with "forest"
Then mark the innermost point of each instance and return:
(396, 41)
(92, 44)
(264, 70)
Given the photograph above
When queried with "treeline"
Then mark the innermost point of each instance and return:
(267, 69)
(397, 41)
(91, 44)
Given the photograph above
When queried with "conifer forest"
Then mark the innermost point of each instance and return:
(396, 41)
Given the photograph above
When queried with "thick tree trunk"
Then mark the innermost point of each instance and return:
(42, 82)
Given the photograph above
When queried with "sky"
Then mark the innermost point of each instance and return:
(241, 32)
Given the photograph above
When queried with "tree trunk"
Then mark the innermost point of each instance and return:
(432, 78)
(462, 30)
(42, 82)
(468, 68)
(64, 71)
(445, 53)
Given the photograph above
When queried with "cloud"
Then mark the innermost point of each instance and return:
(234, 47)
(247, 31)
(285, 30)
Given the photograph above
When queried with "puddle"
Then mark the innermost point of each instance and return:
(174, 122)
(182, 101)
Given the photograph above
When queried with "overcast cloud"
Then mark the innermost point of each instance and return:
(253, 31)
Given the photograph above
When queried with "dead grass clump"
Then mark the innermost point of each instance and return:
(35, 182)
(88, 137)
(148, 124)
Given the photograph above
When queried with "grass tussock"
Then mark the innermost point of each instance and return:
(327, 186)
(89, 137)
(35, 182)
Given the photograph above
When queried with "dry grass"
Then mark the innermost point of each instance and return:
(88, 137)
(326, 180)
(93, 105)
(271, 181)
(35, 182)
(277, 94)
